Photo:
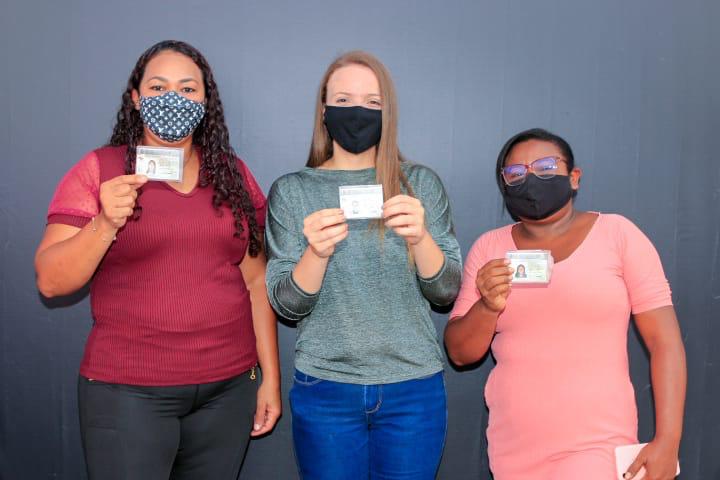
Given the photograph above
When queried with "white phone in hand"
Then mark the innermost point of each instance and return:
(625, 455)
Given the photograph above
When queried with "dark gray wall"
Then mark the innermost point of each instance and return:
(633, 85)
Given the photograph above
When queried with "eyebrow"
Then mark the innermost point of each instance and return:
(350, 94)
(163, 79)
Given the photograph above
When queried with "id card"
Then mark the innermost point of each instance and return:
(530, 266)
(160, 163)
(361, 201)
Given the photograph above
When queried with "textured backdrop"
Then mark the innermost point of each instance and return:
(633, 85)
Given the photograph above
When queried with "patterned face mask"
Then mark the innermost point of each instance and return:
(171, 116)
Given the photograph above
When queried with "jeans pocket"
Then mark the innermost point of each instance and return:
(300, 378)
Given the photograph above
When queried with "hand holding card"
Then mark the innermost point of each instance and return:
(493, 283)
(323, 229)
(117, 197)
(406, 216)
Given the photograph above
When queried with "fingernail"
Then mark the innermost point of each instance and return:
(256, 427)
(627, 475)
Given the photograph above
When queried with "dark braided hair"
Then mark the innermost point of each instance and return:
(218, 166)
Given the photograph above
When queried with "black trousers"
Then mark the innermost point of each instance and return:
(155, 433)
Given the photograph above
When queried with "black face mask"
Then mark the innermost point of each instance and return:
(538, 198)
(354, 128)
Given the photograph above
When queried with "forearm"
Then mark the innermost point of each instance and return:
(468, 338)
(265, 326)
(669, 378)
(439, 274)
(66, 266)
(310, 271)
(428, 257)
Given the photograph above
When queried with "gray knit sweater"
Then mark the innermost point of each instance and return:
(370, 322)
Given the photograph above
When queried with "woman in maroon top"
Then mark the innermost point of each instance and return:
(177, 270)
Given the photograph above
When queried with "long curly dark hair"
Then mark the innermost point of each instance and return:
(218, 166)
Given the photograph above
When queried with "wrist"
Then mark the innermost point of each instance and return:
(316, 256)
(270, 370)
(670, 440)
(101, 225)
(420, 241)
(271, 381)
(488, 309)
(102, 220)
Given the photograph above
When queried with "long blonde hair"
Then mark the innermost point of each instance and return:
(388, 156)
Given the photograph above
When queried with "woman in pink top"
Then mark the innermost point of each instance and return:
(560, 396)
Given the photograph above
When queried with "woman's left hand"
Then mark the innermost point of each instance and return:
(268, 410)
(406, 216)
(659, 459)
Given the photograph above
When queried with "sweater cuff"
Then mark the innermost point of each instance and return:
(294, 302)
(442, 288)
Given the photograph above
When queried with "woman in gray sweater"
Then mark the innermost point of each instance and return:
(368, 397)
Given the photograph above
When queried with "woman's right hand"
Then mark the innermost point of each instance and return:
(324, 229)
(493, 282)
(117, 198)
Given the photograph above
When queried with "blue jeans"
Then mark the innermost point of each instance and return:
(355, 432)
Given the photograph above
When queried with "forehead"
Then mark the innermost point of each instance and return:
(172, 65)
(529, 150)
(355, 79)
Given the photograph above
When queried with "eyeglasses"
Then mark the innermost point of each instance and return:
(544, 168)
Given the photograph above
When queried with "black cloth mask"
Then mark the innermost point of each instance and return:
(355, 129)
(538, 198)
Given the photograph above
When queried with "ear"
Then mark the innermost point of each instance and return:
(135, 98)
(575, 178)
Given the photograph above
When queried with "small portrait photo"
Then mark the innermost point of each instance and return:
(520, 271)
(151, 167)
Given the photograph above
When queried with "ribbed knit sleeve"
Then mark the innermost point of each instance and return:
(442, 288)
(285, 245)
